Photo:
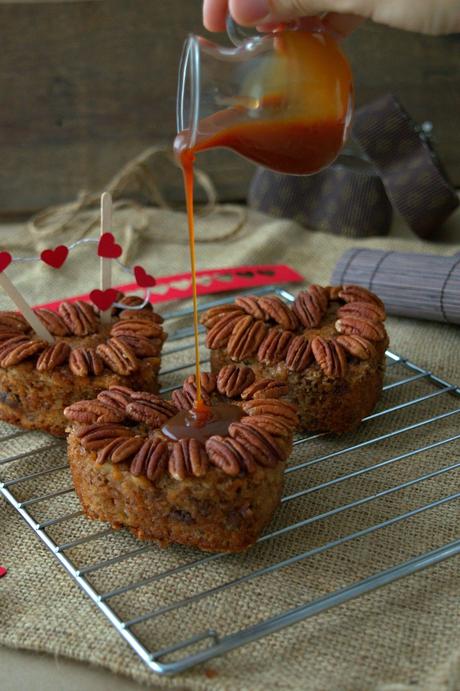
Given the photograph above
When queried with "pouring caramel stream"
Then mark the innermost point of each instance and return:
(300, 139)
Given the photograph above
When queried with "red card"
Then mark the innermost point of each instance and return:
(179, 286)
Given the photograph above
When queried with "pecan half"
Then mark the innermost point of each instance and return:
(363, 310)
(299, 354)
(221, 329)
(352, 293)
(185, 397)
(274, 347)
(143, 347)
(151, 460)
(228, 455)
(247, 335)
(96, 436)
(330, 356)
(120, 449)
(118, 356)
(181, 400)
(357, 346)
(259, 443)
(79, 317)
(279, 312)
(355, 326)
(311, 305)
(281, 410)
(208, 385)
(116, 397)
(52, 322)
(233, 379)
(85, 362)
(215, 314)
(149, 408)
(14, 321)
(250, 304)
(144, 313)
(15, 353)
(269, 423)
(53, 356)
(265, 388)
(188, 459)
(10, 344)
(137, 327)
(208, 382)
(134, 301)
(92, 412)
(7, 334)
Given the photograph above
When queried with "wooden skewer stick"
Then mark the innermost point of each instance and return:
(39, 328)
(106, 264)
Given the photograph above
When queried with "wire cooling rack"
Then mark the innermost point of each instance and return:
(342, 494)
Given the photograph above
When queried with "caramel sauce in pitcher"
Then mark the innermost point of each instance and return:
(298, 140)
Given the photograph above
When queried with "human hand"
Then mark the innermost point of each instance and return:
(341, 16)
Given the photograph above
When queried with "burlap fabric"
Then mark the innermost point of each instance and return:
(401, 637)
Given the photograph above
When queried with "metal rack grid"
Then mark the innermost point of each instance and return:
(408, 388)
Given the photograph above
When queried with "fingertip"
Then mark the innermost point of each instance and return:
(250, 13)
(214, 14)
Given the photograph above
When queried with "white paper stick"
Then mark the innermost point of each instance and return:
(39, 328)
(106, 264)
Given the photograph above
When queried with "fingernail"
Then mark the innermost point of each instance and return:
(252, 12)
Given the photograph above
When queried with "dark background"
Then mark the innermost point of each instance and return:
(87, 85)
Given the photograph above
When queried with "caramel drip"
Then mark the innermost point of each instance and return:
(188, 424)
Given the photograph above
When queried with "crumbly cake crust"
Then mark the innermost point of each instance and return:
(328, 348)
(217, 495)
(38, 380)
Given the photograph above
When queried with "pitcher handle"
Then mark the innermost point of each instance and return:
(237, 34)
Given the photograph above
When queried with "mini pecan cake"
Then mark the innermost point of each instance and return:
(215, 491)
(38, 380)
(328, 347)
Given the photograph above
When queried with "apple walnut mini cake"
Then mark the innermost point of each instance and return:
(37, 380)
(328, 347)
(208, 486)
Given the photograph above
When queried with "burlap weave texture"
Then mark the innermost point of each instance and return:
(403, 636)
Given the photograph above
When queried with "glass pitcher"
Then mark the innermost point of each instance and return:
(283, 100)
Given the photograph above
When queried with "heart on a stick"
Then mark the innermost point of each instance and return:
(103, 299)
(56, 257)
(108, 248)
(5, 260)
(143, 279)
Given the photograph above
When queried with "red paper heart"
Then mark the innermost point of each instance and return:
(103, 299)
(143, 279)
(3, 571)
(108, 248)
(56, 257)
(5, 260)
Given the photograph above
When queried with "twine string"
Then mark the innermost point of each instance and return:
(81, 216)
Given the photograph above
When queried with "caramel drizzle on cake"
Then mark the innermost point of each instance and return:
(122, 425)
(135, 335)
(270, 331)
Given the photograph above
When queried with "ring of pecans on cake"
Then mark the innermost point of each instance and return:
(37, 380)
(328, 347)
(211, 486)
